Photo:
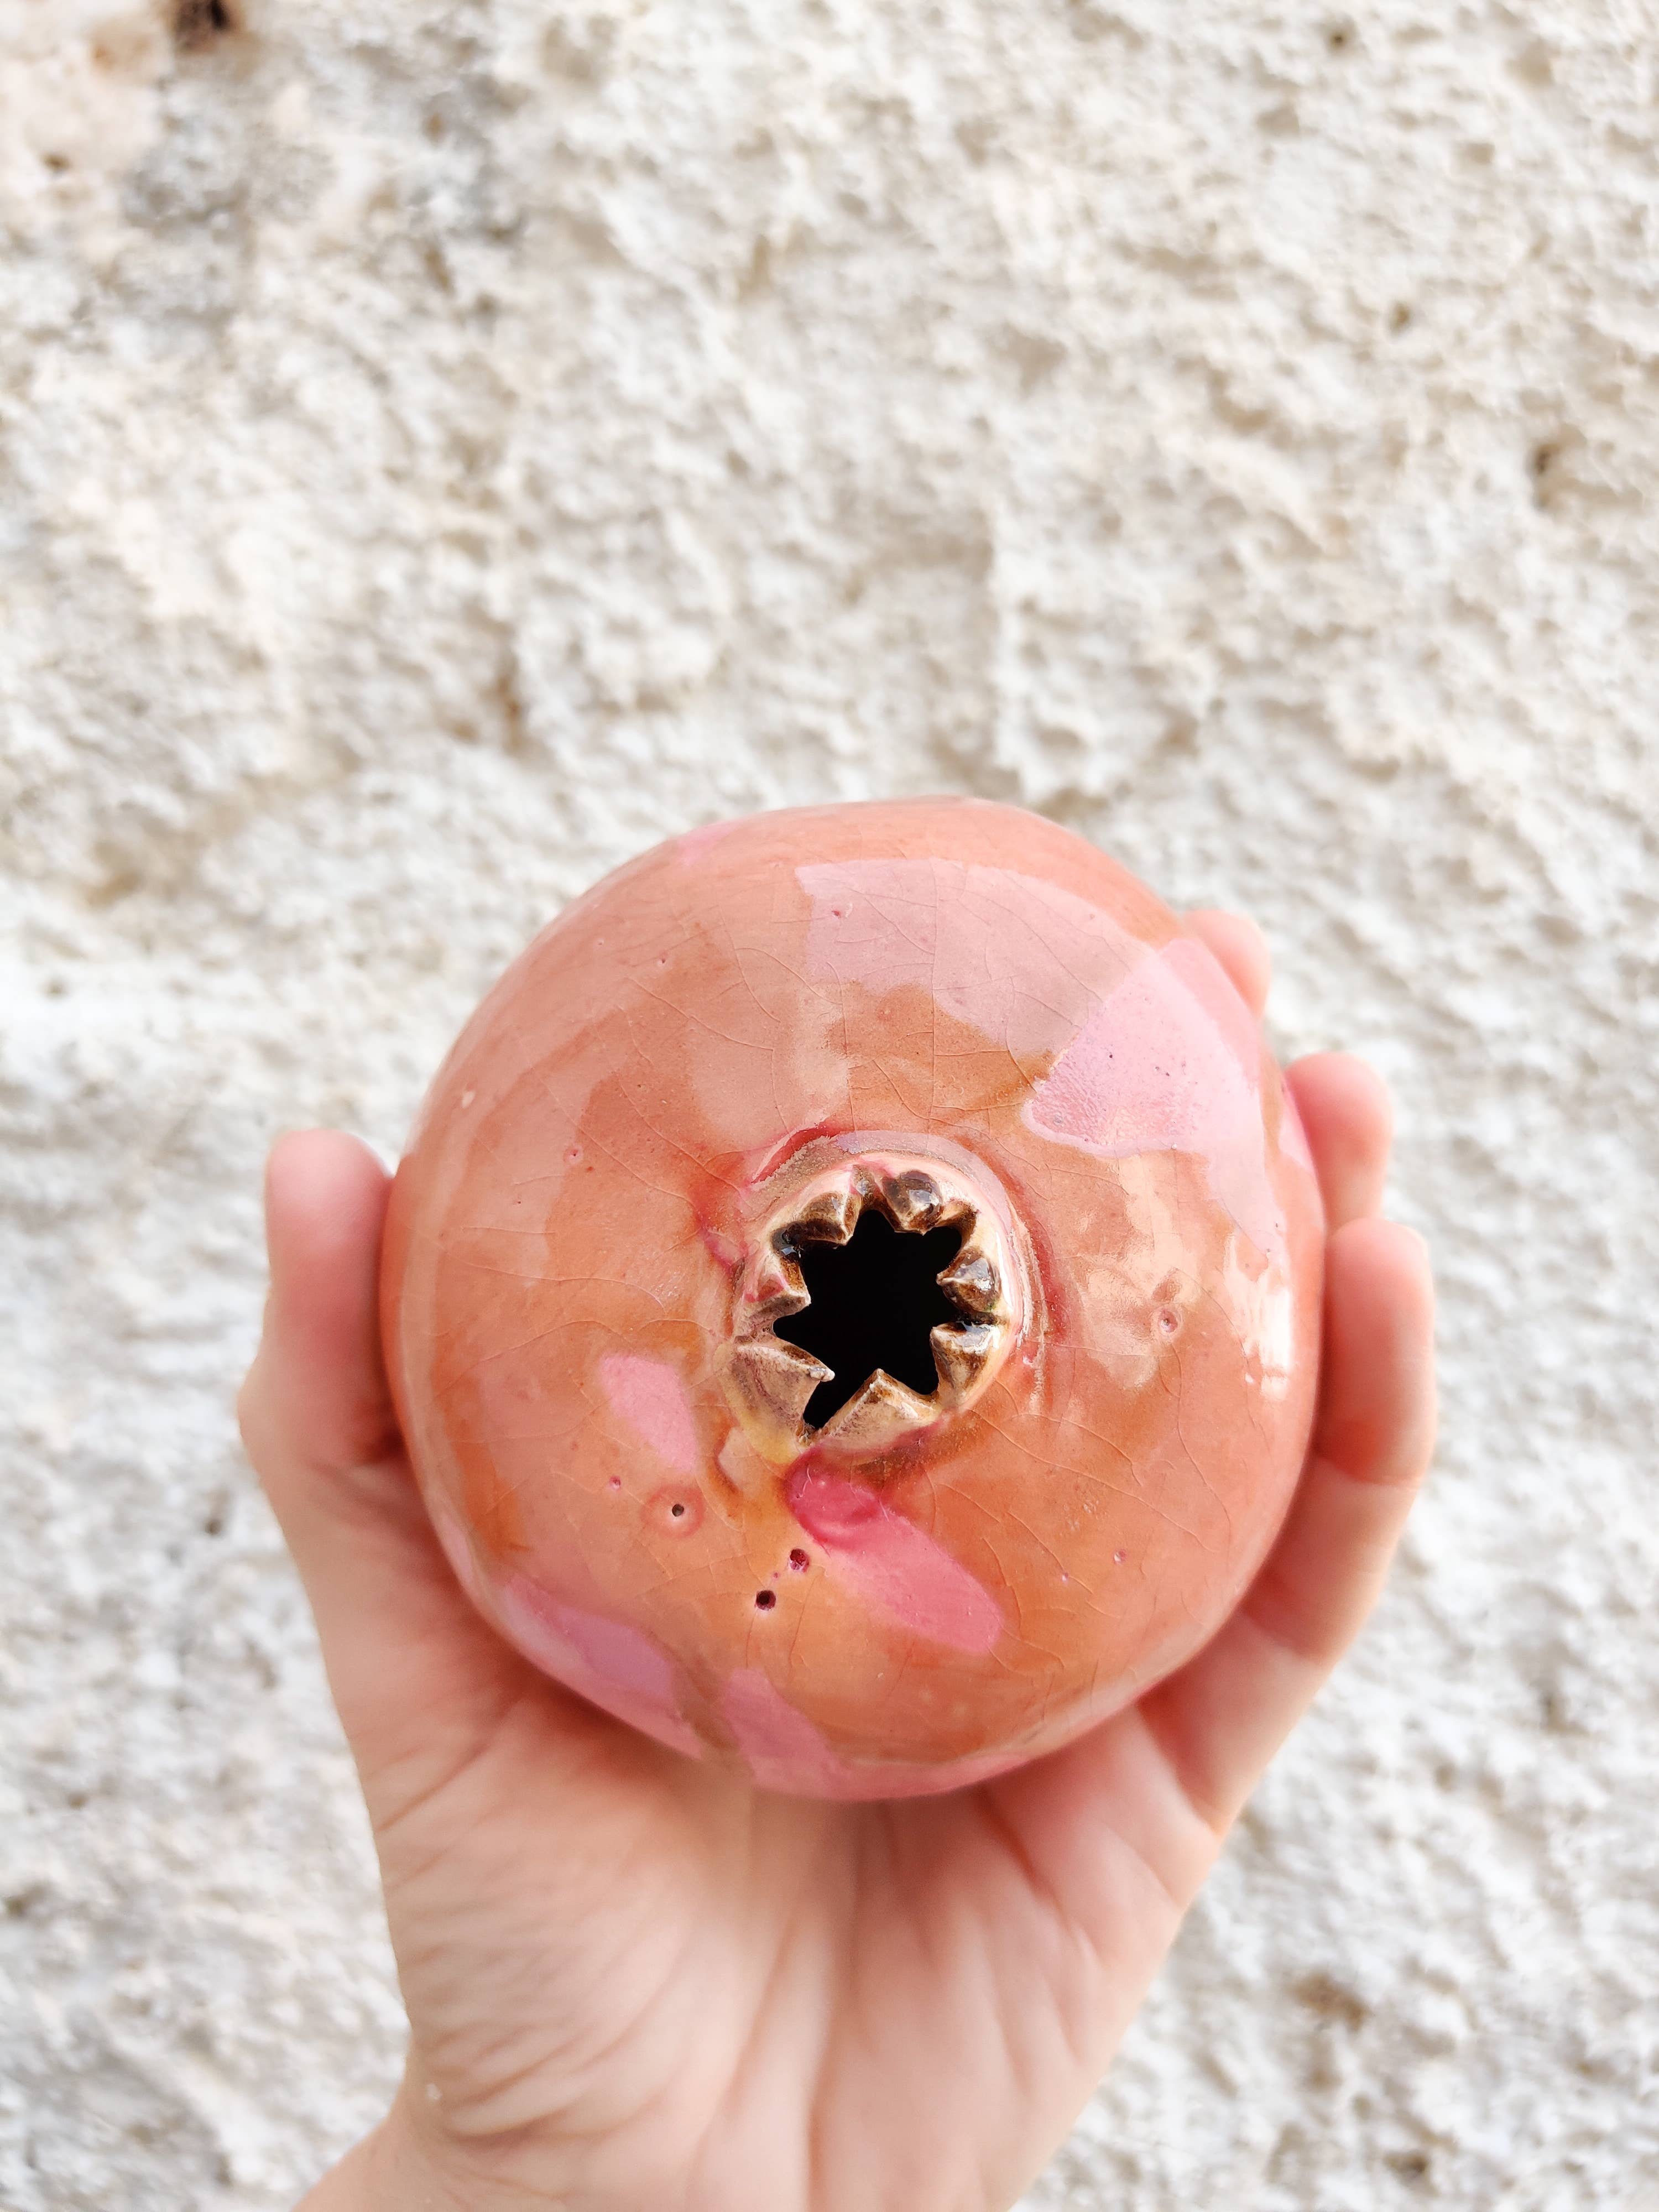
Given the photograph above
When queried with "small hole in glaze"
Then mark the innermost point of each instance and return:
(798, 1561)
(678, 1512)
(574, 1154)
(1120, 1557)
(765, 1600)
(616, 1482)
(1168, 1319)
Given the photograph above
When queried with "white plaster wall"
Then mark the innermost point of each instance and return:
(445, 447)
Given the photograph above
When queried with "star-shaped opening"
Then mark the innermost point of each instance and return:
(874, 1301)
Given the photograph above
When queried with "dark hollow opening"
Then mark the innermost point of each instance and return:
(874, 1299)
(199, 22)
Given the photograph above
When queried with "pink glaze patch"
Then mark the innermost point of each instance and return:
(781, 1747)
(892, 1564)
(651, 1398)
(984, 944)
(783, 1750)
(1169, 1061)
(611, 1664)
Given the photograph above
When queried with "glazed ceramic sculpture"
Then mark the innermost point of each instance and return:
(852, 1295)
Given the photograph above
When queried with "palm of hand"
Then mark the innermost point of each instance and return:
(853, 2005)
(631, 1980)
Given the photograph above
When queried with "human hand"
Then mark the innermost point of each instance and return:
(634, 1981)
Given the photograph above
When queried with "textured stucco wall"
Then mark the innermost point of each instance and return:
(443, 448)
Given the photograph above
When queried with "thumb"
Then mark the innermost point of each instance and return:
(413, 1670)
(316, 1394)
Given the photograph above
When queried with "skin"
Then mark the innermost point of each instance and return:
(635, 1981)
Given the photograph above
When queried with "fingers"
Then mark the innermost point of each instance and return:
(1221, 1718)
(398, 1637)
(1240, 947)
(1346, 1113)
(1343, 1103)
(325, 1197)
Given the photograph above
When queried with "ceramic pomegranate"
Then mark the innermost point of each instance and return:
(852, 1295)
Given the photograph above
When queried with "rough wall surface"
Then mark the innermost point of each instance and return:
(445, 447)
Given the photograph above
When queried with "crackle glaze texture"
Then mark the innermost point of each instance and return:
(906, 1597)
(447, 447)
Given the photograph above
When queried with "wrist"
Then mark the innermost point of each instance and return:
(413, 2162)
(389, 2171)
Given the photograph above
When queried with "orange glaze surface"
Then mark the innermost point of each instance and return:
(926, 1590)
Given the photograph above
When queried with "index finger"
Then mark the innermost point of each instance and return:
(1241, 948)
